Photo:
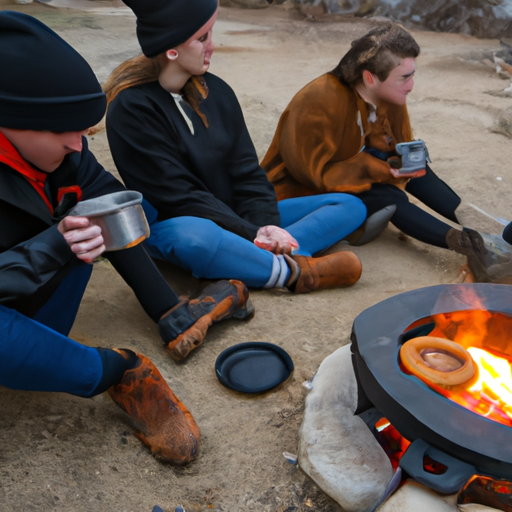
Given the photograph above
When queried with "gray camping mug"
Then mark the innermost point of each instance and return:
(120, 216)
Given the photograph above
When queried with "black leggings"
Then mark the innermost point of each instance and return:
(140, 273)
(410, 219)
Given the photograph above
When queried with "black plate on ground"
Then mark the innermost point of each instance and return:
(253, 366)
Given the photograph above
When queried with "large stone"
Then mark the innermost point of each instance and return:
(336, 449)
(414, 497)
(341, 455)
(503, 123)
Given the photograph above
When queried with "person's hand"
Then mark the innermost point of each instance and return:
(276, 240)
(84, 239)
(404, 177)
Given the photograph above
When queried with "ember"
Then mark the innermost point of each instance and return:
(392, 442)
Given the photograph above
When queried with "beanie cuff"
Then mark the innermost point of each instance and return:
(64, 114)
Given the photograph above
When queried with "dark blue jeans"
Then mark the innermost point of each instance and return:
(208, 251)
(36, 355)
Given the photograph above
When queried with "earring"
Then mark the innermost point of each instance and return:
(172, 54)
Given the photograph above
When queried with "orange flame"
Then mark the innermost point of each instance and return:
(485, 335)
(494, 384)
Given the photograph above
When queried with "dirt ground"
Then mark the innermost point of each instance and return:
(62, 453)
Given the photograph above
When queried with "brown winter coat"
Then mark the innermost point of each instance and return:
(318, 143)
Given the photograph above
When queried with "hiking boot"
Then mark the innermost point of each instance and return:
(161, 420)
(487, 260)
(332, 271)
(184, 327)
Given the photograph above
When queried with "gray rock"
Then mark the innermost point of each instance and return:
(336, 448)
(480, 18)
(340, 454)
(503, 123)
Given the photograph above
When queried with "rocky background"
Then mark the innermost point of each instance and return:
(479, 18)
(491, 19)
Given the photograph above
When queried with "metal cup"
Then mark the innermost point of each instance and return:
(120, 216)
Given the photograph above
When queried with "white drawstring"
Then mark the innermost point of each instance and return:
(179, 100)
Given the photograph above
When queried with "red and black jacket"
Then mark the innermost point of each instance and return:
(34, 257)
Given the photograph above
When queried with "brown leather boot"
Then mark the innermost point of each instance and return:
(332, 271)
(486, 261)
(162, 421)
(184, 327)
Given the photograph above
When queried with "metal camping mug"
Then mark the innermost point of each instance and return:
(120, 216)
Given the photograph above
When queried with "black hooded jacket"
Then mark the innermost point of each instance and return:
(213, 173)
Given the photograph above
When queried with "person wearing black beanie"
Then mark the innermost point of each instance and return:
(165, 24)
(45, 169)
(177, 134)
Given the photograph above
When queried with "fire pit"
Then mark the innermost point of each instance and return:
(416, 383)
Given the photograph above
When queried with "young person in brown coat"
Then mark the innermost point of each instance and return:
(339, 134)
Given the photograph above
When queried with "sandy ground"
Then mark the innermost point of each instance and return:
(61, 453)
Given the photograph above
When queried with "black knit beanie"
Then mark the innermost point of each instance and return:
(44, 83)
(165, 24)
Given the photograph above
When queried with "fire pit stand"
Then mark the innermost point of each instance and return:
(465, 442)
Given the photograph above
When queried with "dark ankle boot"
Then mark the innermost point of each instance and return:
(162, 421)
(184, 327)
(332, 271)
(372, 227)
(486, 262)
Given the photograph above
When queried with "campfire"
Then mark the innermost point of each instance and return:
(466, 358)
(435, 387)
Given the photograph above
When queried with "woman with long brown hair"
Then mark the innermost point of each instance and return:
(177, 134)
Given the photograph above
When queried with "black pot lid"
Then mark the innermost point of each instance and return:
(253, 366)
